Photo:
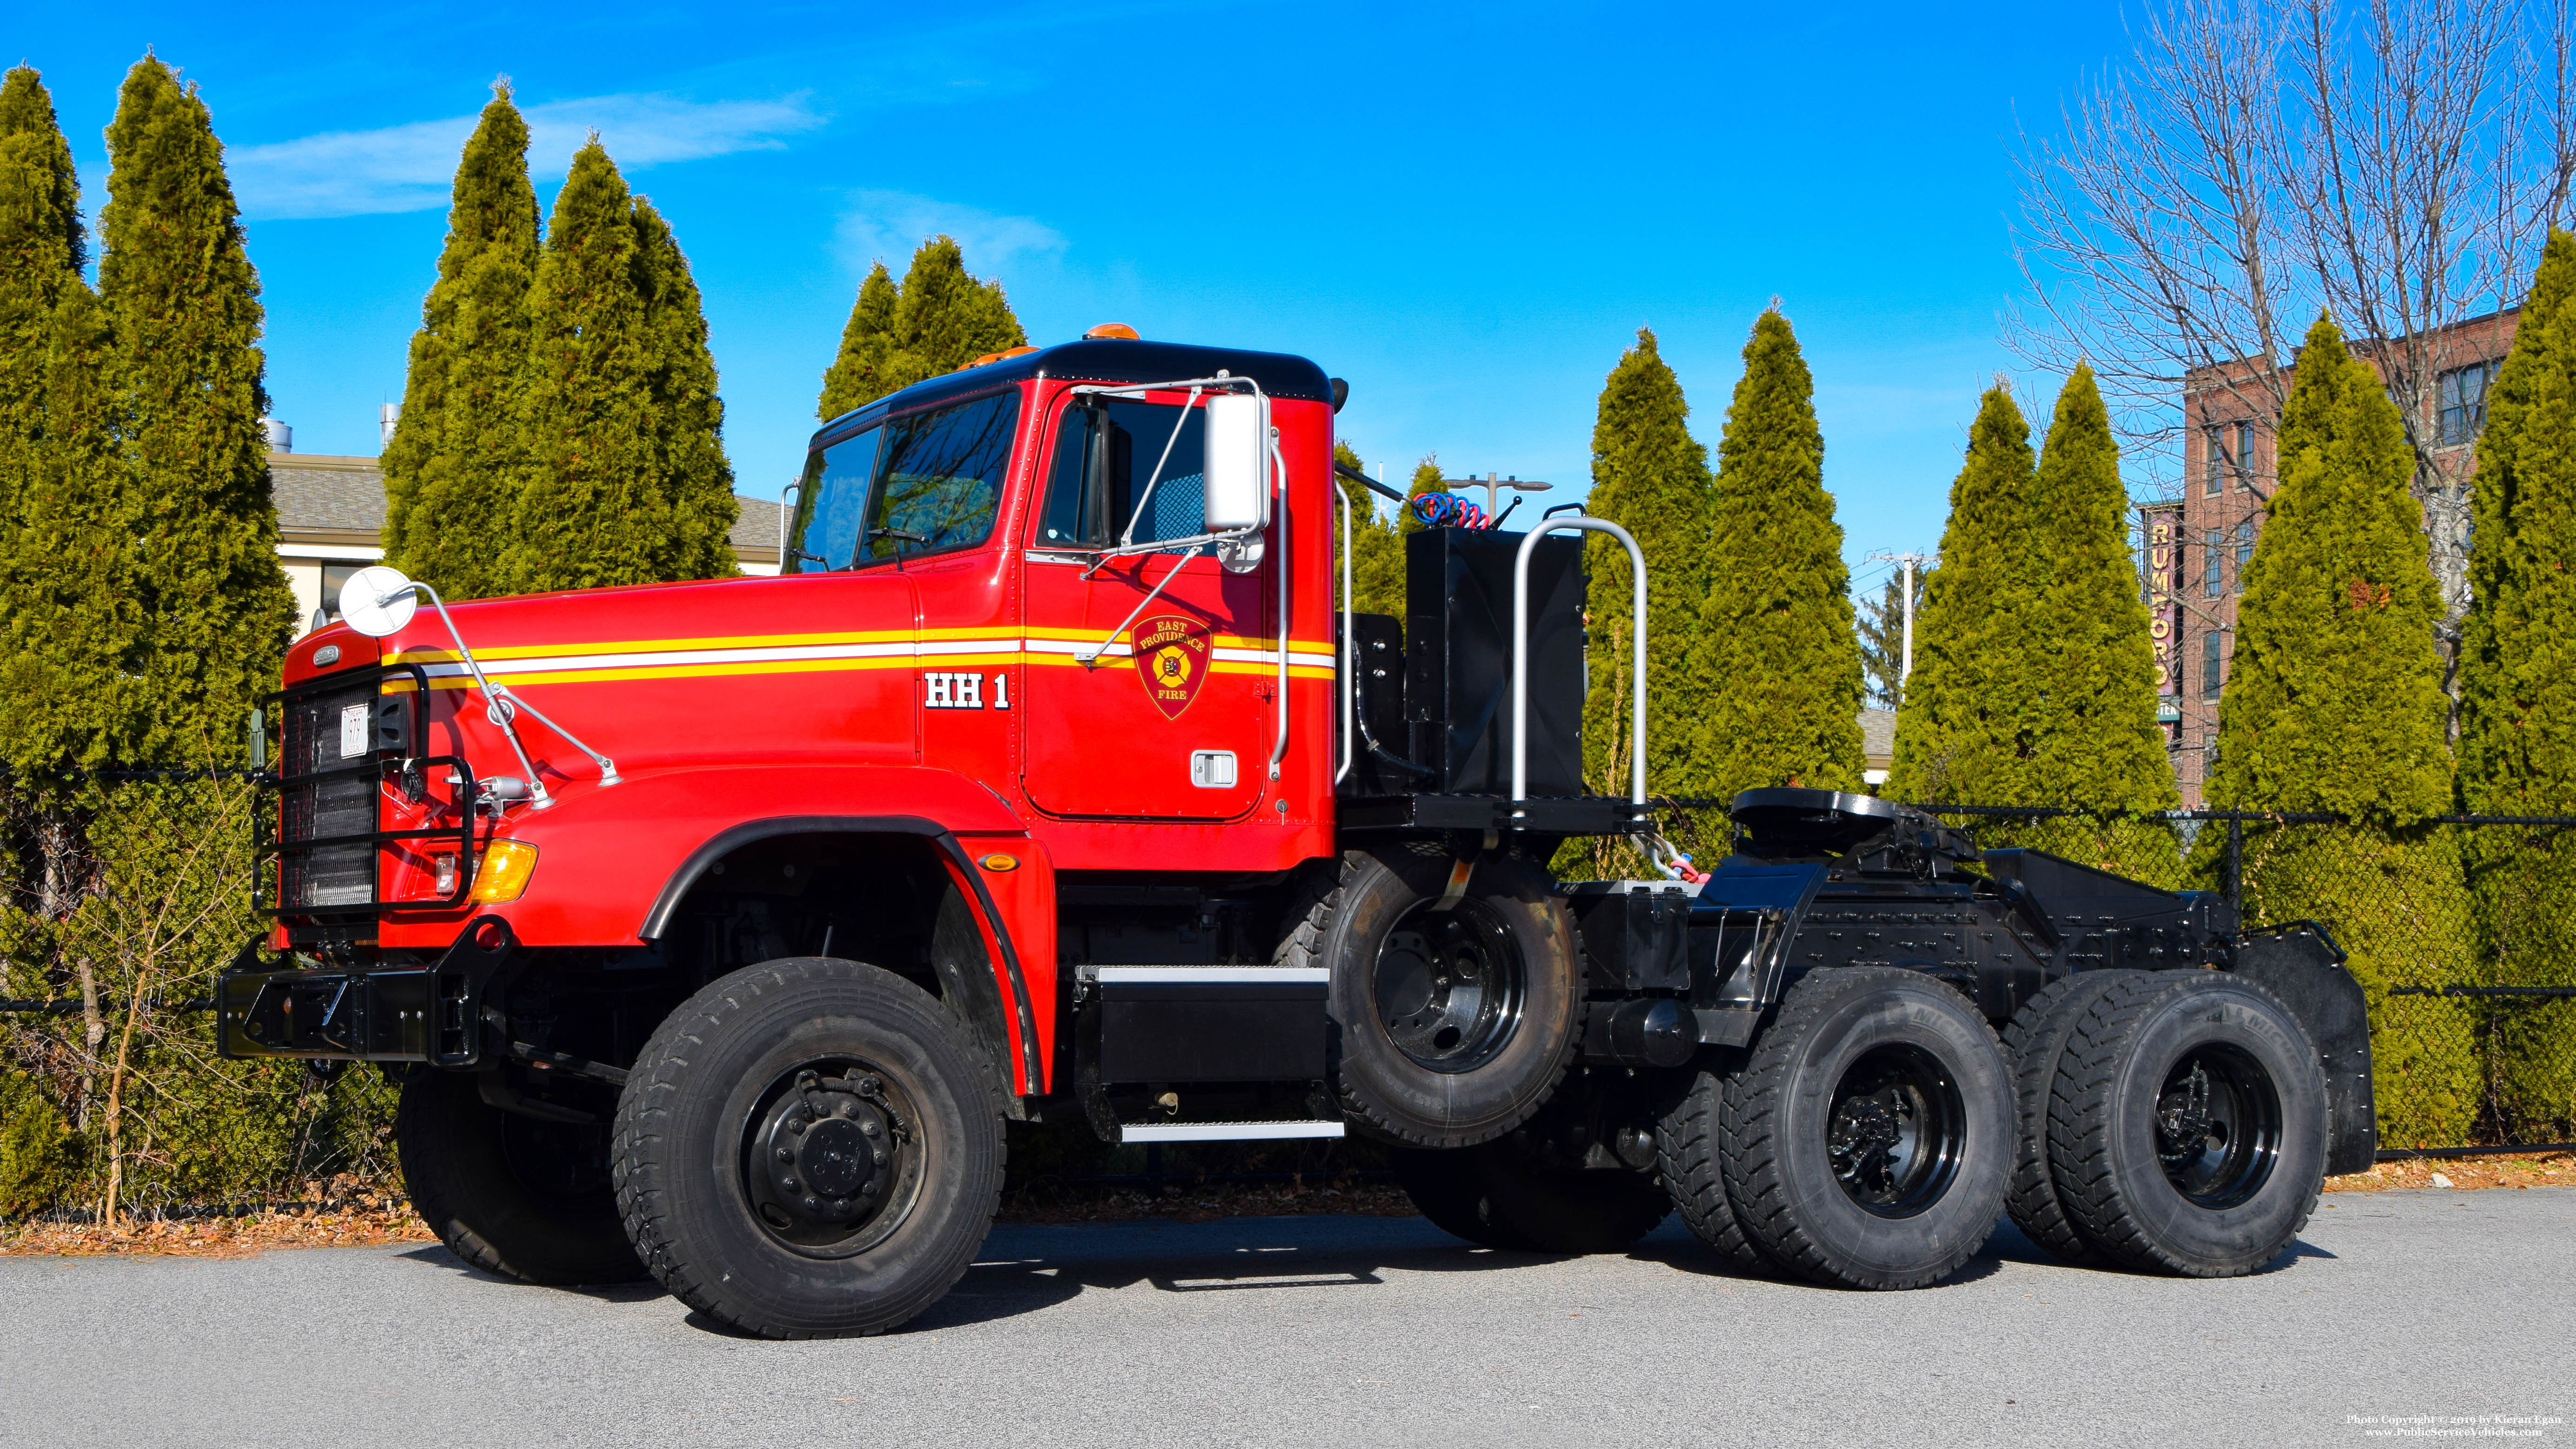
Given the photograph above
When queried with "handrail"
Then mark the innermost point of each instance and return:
(1348, 664)
(1520, 651)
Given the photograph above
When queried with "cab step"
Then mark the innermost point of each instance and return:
(1223, 1131)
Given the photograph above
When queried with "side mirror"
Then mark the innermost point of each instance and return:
(377, 600)
(1238, 462)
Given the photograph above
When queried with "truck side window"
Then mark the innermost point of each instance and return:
(1105, 455)
(943, 478)
(831, 502)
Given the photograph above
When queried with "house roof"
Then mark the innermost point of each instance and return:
(325, 498)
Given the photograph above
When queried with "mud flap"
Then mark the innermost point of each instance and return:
(2301, 964)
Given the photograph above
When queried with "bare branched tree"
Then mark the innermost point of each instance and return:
(2253, 161)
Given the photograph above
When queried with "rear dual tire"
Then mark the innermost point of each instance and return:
(2186, 1125)
(1863, 1143)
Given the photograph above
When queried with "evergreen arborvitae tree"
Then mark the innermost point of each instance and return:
(2334, 703)
(73, 696)
(623, 480)
(451, 471)
(1651, 477)
(43, 247)
(1966, 731)
(859, 374)
(181, 303)
(1377, 549)
(2518, 689)
(688, 413)
(937, 321)
(2095, 739)
(1777, 663)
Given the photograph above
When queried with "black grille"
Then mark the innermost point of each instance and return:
(331, 731)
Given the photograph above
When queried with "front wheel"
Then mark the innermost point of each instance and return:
(807, 1149)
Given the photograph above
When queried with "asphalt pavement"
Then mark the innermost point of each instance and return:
(2395, 1309)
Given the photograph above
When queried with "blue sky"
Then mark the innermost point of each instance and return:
(1465, 210)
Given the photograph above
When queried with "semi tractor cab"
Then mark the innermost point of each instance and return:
(716, 930)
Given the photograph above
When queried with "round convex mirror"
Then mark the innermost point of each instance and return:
(377, 600)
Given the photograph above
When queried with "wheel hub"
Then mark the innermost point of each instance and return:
(2218, 1126)
(1896, 1130)
(1449, 986)
(828, 1159)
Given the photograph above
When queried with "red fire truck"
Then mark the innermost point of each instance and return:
(716, 930)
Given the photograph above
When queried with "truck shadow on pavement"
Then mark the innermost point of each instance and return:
(1027, 1268)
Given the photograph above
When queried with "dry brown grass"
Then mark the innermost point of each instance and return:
(2552, 1169)
(362, 1223)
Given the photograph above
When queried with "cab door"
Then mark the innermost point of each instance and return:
(1140, 704)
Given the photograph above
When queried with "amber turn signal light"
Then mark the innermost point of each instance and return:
(1119, 330)
(504, 871)
(997, 861)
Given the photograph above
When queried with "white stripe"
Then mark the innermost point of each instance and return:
(897, 649)
(1225, 1131)
(1194, 975)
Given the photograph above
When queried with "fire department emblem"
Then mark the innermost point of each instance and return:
(1172, 656)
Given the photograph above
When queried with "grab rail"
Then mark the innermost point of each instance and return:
(1578, 523)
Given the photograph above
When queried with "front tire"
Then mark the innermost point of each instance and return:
(2187, 1134)
(510, 1194)
(807, 1149)
(1869, 1135)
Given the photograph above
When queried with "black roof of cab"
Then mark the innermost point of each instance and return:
(1094, 360)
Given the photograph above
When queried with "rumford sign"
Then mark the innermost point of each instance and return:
(2162, 524)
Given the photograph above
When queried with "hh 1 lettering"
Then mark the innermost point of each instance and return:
(944, 690)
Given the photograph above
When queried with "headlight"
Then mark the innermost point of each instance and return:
(504, 871)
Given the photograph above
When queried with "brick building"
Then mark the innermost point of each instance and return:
(2197, 545)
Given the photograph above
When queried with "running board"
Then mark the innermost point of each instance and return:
(1223, 1131)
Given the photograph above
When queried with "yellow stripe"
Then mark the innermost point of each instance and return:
(834, 666)
(427, 655)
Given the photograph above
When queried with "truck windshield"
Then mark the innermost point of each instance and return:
(919, 484)
(942, 475)
(1105, 454)
(831, 503)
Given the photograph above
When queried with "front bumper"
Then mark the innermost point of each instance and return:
(384, 1013)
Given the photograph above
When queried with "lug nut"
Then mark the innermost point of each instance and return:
(880, 1157)
(796, 1127)
(787, 1154)
(792, 1185)
(870, 1128)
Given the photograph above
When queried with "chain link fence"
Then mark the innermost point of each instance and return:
(2461, 930)
(122, 896)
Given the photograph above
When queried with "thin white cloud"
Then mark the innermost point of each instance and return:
(409, 167)
(885, 226)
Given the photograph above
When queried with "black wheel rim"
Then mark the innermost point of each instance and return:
(832, 1157)
(2218, 1126)
(1896, 1131)
(1449, 985)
